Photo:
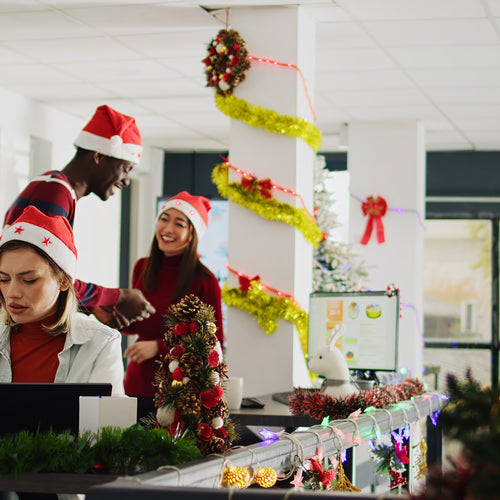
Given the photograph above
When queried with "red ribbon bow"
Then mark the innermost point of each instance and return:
(246, 281)
(264, 186)
(375, 209)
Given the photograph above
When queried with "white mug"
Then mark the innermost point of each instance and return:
(233, 392)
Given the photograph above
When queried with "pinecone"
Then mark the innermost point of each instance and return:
(187, 308)
(215, 445)
(188, 403)
(220, 410)
(190, 363)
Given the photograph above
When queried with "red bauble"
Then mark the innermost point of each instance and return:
(177, 351)
(177, 375)
(205, 432)
(213, 359)
(181, 328)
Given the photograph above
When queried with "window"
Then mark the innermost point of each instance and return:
(458, 298)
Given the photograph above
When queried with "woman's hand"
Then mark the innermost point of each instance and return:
(141, 351)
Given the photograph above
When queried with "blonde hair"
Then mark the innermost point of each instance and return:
(66, 302)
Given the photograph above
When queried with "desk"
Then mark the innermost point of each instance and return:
(273, 414)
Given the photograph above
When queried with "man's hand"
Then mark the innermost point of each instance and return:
(133, 306)
(110, 316)
(142, 350)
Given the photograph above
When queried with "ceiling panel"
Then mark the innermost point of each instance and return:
(409, 9)
(433, 32)
(73, 49)
(41, 25)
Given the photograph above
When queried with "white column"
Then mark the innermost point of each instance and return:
(388, 159)
(277, 252)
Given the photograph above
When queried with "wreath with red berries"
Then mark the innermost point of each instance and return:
(226, 62)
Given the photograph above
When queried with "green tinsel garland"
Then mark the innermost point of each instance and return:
(268, 309)
(257, 116)
(270, 209)
(111, 451)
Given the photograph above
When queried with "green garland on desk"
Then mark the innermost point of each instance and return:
(270, 209)
(111, 451)
(268, 309)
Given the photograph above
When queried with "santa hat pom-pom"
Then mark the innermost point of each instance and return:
(173, 365)
(165, 415)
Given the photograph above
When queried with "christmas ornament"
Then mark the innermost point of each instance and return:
(421, 462)
(343, 483)
(269, 208)
(268, 119)
(226, 61)
(266, 477)
(237, 477)
(375, 209)
(191, 377)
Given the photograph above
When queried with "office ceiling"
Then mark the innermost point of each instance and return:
(437, 61)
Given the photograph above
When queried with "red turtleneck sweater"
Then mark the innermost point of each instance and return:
(139, 376)
(34, 353)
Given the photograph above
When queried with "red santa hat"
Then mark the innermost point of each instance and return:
(53, 235)
(195, 208)
(112, 134)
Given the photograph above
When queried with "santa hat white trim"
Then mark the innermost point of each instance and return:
(55, 248)
(189, 211)
(113, 146)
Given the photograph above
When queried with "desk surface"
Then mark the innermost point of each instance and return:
(273, 414)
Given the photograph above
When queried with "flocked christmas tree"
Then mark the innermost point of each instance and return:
(336, 266)
(191, 377)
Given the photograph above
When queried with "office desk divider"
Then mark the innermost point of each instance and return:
(279, 454)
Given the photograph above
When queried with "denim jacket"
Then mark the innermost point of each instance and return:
(92, 353)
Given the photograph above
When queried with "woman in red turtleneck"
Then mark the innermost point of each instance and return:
(171, 271)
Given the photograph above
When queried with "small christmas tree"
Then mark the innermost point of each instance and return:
(336, 266)
(190, 378)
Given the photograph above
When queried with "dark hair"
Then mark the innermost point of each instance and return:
(189, 267)
(66, 301)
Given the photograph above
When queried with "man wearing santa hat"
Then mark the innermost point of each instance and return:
(107, 149)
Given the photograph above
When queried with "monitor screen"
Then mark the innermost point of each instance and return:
(370, 321)
(40, 406)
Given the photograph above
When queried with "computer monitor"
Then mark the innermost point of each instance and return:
(43, 406)
(370, 321)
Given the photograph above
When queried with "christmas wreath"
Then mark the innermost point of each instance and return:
(226, 61)
(190, 378)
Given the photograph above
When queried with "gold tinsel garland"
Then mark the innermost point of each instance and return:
(270, 209)
(257, 116)
(268, 309)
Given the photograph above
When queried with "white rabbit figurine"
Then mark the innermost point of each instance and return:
(330, 363)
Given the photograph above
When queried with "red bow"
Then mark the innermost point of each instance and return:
(264, 186)
(375, 208)
(245, 282)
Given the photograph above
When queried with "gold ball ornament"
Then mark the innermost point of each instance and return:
(266, 477)
(236, 476)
